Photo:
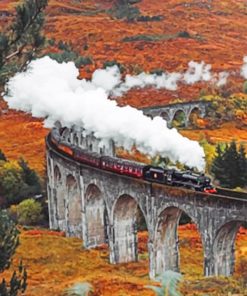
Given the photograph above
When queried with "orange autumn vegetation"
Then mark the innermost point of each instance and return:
(23, 136)
(226, 133)
(207, 23)
(55, 263)
(218, 28)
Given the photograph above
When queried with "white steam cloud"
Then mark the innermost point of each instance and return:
(196, 72)
(222, 78)
(244, 68)
(52, 91)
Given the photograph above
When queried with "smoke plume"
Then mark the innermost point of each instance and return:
(52, 91)
(196, 72)
(244, 68)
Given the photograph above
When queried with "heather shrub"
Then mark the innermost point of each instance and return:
(29, 212)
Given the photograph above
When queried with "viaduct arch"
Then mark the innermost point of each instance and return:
(169, 112)
(100, 207)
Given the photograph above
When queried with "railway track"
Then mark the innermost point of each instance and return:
(232, 193)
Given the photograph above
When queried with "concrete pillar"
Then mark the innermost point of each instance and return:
(83, 211)
(152, 260)
(96, 217)
(187, 120)
(111, 242)
(73, 208)
(52, 203)
(166, 241)
(123, 238)
(208, 265)
(224, 250)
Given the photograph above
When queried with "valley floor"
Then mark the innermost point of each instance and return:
(54, 263)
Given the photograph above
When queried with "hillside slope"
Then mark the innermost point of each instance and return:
(55, 263)
(217, 35)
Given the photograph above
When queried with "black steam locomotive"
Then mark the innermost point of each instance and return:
(172, 177)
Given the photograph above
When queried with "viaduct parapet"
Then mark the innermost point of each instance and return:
(169, 112)
(101, 207)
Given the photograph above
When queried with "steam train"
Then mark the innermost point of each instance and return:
(173, 177)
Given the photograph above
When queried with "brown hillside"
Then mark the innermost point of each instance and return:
(217, 32)
(55, 263)
(219, 36)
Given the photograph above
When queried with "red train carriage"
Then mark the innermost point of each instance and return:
(172, 177)
(122, 166)
(87, 157)
(62, 146)
(65, 148)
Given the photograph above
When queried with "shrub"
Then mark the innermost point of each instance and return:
(114, 63)
(169, 284)
(150, 38)
(11, 182)
(123, 9)
(68, 56)
(63, 45)
(51, 42)
(12, 211)
(2, 156)
(157, 72)
(147, 18)
(79, 289)
(83, 61)
(184, 34)
(17, 181)
(29, 212)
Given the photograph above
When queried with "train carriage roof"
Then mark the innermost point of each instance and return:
(123, 161)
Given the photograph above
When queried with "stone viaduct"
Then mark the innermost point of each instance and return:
(169, 112)
(101, 207)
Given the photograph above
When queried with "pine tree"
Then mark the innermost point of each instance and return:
(29, 176)
(242, 167)
(20, 42)
(218, 165)
(9, 241)
(230, 166)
